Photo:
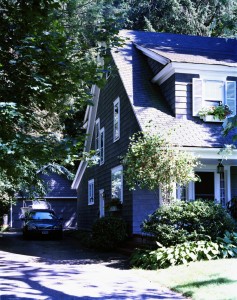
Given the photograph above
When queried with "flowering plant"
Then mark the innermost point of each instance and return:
(218, 112)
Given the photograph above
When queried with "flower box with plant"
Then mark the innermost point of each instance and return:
(113, 204)
(218, 113)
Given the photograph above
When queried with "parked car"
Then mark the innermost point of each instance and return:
(42, 223)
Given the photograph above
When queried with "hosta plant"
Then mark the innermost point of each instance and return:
(175, 255)
(228, 245)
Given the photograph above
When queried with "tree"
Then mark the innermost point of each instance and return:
(152, 163)
(204, 17)
(49, 53)
(229, 126)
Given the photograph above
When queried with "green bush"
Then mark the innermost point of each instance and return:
(228, 245)
(108, 232)
(232, 207)
(175, 255)
(184, 253)
(188, 221)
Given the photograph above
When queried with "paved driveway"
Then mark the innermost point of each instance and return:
(64, 270)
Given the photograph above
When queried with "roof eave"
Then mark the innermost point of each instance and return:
(203, 70)
(157, 57)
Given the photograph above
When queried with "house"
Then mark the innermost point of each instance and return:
(61, 198)
(165, 79)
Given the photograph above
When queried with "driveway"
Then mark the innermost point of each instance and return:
(61, 270)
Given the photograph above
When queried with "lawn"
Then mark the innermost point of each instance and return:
(205, 280)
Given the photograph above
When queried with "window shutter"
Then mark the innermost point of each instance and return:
(231, 96)
(197, 95)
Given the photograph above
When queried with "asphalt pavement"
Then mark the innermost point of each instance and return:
(63, 270)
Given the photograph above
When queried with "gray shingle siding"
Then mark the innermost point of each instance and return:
(183, 95)
(155, 66)
(168, 91)
(87, 214)
(144, 203)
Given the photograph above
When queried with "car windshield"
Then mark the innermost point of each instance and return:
(41, 215)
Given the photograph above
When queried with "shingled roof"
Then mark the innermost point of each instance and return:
(148, 103)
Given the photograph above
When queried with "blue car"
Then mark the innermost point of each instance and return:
(42, 223)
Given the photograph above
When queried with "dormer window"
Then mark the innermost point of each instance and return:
(209, 93)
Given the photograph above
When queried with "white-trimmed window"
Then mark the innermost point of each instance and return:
(100, 141)
(91, 187)
(182, 192)
(116, 121)
(97, 134)
(213, 92)
(117, 183)
(102, 145)
(178, 192)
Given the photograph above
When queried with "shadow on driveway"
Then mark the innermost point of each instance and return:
(45, 269)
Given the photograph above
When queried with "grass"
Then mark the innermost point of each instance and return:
(204, 280)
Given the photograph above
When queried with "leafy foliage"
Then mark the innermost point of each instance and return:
(228, 245)
(188, 221)
(232, 207)
(229, 126)
(186, 252)
(48, 62)
(152, 162)
(108, 232)
(175, 255)
(208, 18)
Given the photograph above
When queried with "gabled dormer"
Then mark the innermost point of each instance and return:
(193, 72)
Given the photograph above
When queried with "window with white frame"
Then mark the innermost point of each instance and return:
(100, 141)
(175, 192)
(117, 183)
(91, 192)
(102, 145)
(116, 121)
(208, 93)
(182, 192)
(97, 134)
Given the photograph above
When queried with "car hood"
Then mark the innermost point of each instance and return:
(43, 223)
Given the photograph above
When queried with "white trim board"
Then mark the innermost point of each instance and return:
(89, 133)
(210, 153)
(204, 71)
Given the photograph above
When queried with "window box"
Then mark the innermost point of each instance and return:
(216, 113)
(210, 118)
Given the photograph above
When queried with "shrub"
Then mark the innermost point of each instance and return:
(184, 253)
(228, 245)
(108, 232)
(232, 207)
(175, 255)
(188, 221)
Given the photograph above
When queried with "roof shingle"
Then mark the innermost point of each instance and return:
(148, 103)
